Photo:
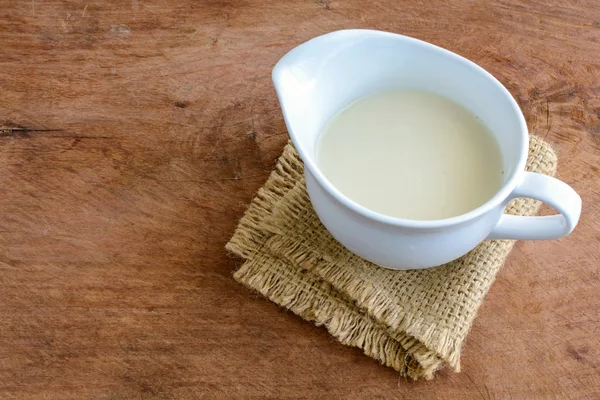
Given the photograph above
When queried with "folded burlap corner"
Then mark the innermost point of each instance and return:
(413, 321)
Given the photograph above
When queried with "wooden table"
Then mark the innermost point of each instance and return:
(144, 129)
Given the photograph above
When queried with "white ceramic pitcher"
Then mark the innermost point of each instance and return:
(320, 77)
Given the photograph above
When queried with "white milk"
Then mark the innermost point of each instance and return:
(411, 154)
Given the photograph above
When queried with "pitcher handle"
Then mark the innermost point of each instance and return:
(551, 191)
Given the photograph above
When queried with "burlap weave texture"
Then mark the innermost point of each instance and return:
(413, 321)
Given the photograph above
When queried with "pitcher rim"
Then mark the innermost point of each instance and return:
(501, 195)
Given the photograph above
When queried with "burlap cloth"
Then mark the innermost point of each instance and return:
(413, 321)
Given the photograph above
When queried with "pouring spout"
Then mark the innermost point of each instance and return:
(315, 80)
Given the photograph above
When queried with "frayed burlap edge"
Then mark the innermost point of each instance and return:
(315, 301)
(247, 237)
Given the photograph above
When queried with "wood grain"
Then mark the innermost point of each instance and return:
(146, 129)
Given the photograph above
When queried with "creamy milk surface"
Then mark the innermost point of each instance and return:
(411, 154)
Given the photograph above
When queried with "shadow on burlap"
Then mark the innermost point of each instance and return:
(413, 321)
